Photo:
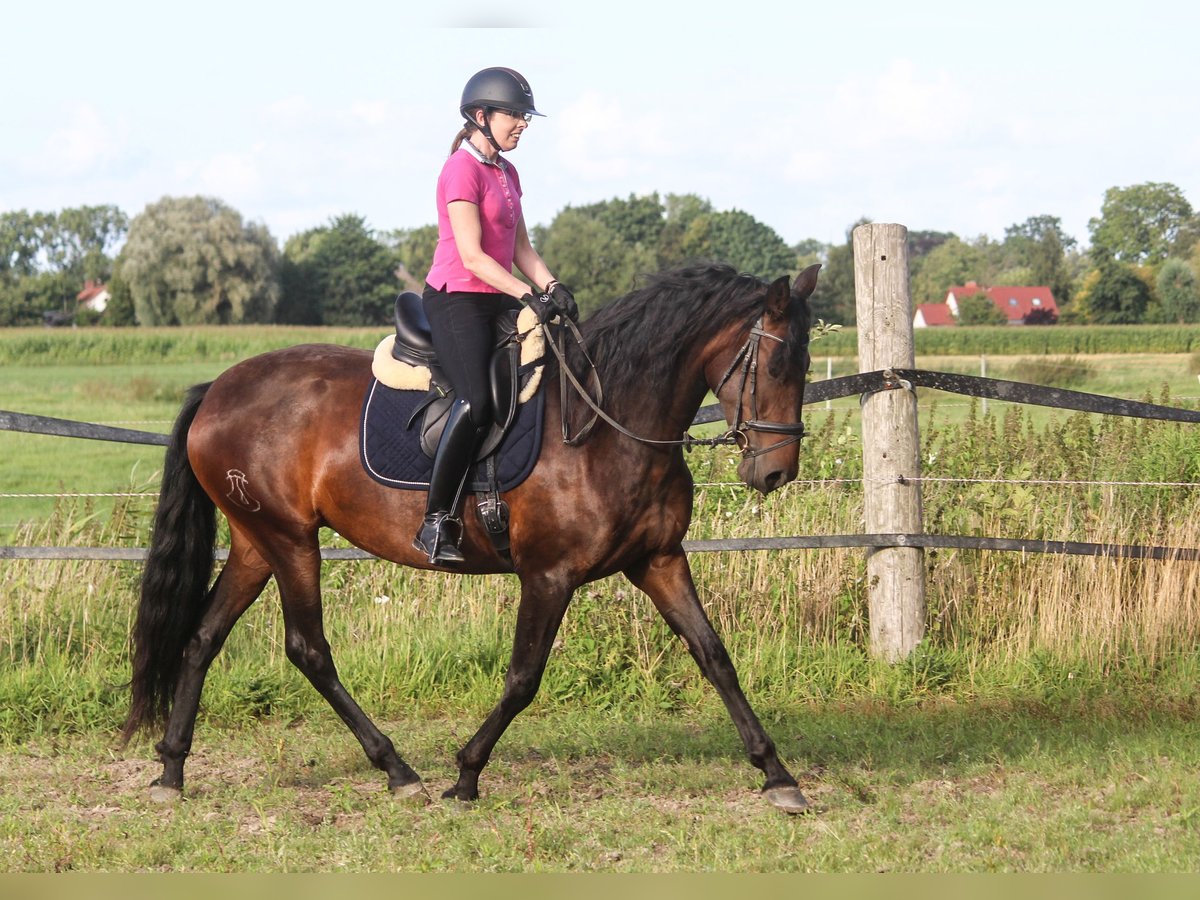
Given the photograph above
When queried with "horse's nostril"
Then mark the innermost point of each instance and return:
(774, 480)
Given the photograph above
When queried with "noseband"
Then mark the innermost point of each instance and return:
(746, 361)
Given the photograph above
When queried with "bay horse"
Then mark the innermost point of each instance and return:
(272, 443)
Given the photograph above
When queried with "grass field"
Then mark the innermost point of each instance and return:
(946, 787)
(1047, 723)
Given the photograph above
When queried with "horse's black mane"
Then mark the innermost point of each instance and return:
(638, 341)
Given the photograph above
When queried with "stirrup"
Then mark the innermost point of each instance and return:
(435, 539)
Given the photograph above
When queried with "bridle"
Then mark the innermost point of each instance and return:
(745, 362)
(748, 358)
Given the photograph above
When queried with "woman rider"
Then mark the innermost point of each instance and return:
(481, 236)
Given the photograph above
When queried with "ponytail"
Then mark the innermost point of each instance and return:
(462, 135)
(469, 128)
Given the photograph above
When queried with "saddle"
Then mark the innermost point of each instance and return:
(407, 361)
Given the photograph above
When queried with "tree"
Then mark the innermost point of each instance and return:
(1144, 223)
(737, 238)
(80, 240)
(1114, 295)
(681, 211)
(191, 260)
(300, 294)
(599, 249)
(120, 309)
(22, 238)
(1040, 246)
(1041, 316)
(45, 257)
(1178, 293)
(339, 274)
(415, 248)
(809, 251)
(978, 309)
(591, 257)
(636, 221)
(952, 262)
(26, 301)
(833, 300)
(922, 243)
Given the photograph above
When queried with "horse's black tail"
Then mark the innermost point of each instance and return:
(175, 579)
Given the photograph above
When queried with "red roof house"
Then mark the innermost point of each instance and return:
(933, 315)
(1015, 302)
(93, 296)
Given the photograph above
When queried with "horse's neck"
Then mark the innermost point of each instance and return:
(665, 410)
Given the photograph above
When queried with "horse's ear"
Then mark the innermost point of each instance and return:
(778, 296)
(806, 282)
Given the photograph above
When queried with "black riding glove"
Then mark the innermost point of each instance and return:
(542, 306)
(562, 298)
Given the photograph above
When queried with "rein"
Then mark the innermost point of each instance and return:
(746, 358)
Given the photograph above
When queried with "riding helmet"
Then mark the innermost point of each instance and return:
(498, 88)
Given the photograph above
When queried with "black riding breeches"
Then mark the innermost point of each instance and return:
(463, 330)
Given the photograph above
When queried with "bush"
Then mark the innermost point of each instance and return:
(1062, 372)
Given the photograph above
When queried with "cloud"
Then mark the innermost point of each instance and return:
(886, 144)
(231, 175)
(599, 139)
(902, 103)
(900, 107)
(371, 112)
(289, 111)
(84, 143)
(875, 143)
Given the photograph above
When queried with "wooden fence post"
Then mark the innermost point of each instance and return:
(891, 443)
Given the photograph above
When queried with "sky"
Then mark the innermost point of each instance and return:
(942, 116)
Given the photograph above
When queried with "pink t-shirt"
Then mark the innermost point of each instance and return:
(496, 190)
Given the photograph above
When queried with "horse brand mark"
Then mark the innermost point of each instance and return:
(238, 493)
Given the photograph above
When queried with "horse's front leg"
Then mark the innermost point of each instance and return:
(667, 579)
(539, 615)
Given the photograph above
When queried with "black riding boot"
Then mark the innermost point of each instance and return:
(441, 532)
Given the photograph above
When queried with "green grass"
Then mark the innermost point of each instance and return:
(974, 787)
(976, 754)
(1167, 378)
(1062, 340)
(1047, 723)
(151, 346)
(138, 397)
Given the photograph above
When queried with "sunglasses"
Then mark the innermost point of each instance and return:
(528, 117)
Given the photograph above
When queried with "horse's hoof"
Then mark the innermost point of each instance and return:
(160, 793)
(454, 799)
(413, 793)
(787, 799)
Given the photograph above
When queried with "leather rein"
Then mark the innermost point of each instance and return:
(745, 363)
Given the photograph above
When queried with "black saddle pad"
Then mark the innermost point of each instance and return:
(392, 455)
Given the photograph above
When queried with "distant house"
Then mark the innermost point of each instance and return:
(933, 315)
(93, 296)
(1017, 303)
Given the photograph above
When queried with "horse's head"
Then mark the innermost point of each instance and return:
(762, 388)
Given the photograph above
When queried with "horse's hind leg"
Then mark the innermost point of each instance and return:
(307, 648)
(238, 585)
(539, 616)
(667, 579)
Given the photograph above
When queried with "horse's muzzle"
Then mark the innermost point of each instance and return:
(764, 474)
